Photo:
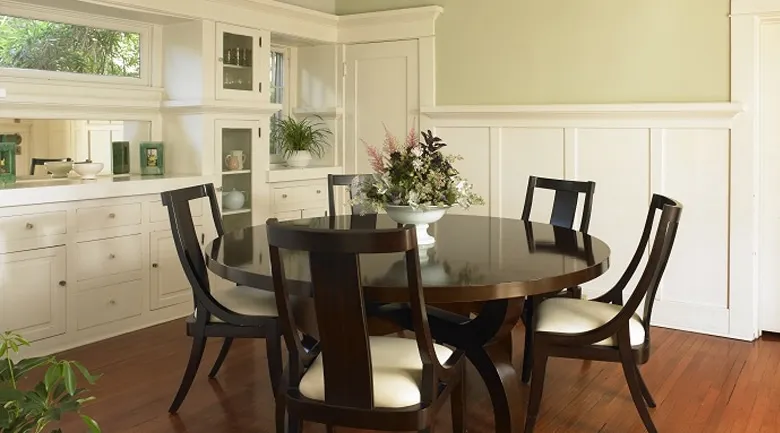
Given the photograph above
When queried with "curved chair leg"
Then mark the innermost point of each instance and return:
(528, 358)
(634, 385)
(645, 390)
(458, 402)
(537, 386)
(221, 358)
(198, 346)
(273, 349)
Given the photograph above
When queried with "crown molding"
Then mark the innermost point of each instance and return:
(395, 24)
(715, 114)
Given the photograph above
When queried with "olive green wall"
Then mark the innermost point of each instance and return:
(576, 51)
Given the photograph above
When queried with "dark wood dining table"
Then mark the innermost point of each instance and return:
(493, 262)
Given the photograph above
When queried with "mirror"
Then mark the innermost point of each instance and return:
(58, 139)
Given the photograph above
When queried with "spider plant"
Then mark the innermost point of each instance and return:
(291, 136)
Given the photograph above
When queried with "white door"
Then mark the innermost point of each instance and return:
(169, 285)
(33, 292)
(382, 89)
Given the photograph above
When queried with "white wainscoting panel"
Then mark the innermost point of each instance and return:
(686, 157)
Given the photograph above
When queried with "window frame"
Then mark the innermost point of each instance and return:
(287, 87)
(42, 13)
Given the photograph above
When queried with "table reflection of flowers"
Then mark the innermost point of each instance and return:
(434, 272)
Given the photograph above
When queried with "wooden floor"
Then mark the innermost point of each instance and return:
(701, 384)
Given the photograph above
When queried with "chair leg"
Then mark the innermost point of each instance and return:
(198, 346)
(458, 402)
(528, 358)
(273, 349)
(634, 385)
(221, 358)
(537, 387)
(645, 390)
(575, 292)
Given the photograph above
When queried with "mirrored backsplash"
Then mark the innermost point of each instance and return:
(39, 140)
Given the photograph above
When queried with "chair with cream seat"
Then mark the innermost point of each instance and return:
(234, 312)
(351, 379)
(606, 328)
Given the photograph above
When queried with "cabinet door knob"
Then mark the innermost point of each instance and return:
(29, 226)
(219, 188)
(220, 59)
(112, 215)
(63, 283)
(318, 191)
(284, 195)
(112, 302)
(154, 265)
(111, 256)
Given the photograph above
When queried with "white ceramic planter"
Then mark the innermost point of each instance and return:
(88, 170)
(420, 217)
(59, 169)
(299, 159)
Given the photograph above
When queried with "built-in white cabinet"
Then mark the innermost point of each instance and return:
(237, 159)
(242, 63)
(295, 200)
(33, 292)
(168, 285)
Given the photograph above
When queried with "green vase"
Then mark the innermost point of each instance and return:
(120, 157)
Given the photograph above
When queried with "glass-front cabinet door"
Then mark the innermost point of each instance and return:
(241, 72)
(236, 141)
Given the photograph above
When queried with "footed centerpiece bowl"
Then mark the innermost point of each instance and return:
(421, 217)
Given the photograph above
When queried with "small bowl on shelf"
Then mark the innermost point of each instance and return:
(58, 169)
(88, 170)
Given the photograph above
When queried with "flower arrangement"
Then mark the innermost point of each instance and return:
(414, 174)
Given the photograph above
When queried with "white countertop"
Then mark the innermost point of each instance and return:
(45, 190)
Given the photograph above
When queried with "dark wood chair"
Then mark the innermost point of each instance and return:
(349, 378)
(40, 161)
(235, 312)
(606, 328)
(343, 180)
(563, 213)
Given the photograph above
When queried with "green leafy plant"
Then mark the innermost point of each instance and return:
(30, 411)
(290, 135)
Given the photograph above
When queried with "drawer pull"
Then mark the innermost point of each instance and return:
(284, 195)
(112, 302)
(155, 265)
(318, 191)
(111, 256)
(29, 226)
(112, 215)
(63, 283)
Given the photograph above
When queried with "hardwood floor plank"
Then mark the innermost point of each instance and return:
(701, 384)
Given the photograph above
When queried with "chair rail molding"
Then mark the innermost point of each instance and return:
(683, 150)
(412, 23)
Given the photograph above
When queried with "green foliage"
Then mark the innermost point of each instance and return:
(50, 46)
(30, 411)
(290, 136)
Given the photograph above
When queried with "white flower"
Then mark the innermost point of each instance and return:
(416, 151)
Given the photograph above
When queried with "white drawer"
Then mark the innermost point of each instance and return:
(159, 213)
(294, 197)
(109, 304)
(103, 217)
(108, 256)
(33, 225)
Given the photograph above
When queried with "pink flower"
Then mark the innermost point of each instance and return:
(411, 139)
(391, 143)
(374, 157)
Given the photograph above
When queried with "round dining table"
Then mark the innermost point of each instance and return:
(493, 263)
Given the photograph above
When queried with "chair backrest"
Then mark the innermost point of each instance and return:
(39, 161)
(334, 260)
(565, 202)
(661, 249)
(347, 180)
(188, 248)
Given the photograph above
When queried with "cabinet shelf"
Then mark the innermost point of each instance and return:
(235, 212)
(230, 173)
(239, 67)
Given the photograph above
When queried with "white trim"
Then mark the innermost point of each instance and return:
(42, 13)
(324, 112)
(389, 25)
(715, 115)
(220, 107)
(754, 7)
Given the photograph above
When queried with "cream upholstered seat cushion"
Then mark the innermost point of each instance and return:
(572, 316)
(246, 300)
(397, 372)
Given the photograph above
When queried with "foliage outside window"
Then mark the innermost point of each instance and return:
(60, 47)
(276, 87)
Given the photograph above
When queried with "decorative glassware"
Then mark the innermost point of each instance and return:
(152, 158)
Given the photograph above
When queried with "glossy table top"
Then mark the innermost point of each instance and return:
(474, 258)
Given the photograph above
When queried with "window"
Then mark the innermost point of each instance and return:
(34, 44)
(279, 95)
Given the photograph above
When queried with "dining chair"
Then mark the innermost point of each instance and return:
(606, 328)
(349, 378)
(563, 213)
(343, 180)
(234, 312)
(34, 162)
